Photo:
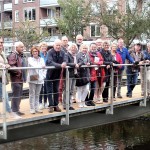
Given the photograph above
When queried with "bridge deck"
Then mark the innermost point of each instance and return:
(30, 119)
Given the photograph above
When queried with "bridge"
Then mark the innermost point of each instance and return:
(39, 124)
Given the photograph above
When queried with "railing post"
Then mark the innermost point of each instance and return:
(111, 109)
(3, 132)
(65, 121)
(143, 103)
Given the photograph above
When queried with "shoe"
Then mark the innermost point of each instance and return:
(142, 94)
(105, 100)
(20, 113)
(40, 106)
(32, 111)
(70, 108)
(45, 105)
(88, 104)
(99, 102)
(38, 111)
(119, 96)
(57, 109)
(92, 103)
(15, 116)
(51, 110)
(130, 96)
(127, 95)
(84, 105)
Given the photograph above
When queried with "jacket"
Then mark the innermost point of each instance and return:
(94, 71)
(125, 55)
(32, 62)
(16, 60)
(55, 59)
(83, 73)
(146, 55)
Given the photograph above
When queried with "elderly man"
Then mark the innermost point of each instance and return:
(79, 40)
(123, 51)
(99, 45)
(57, 58)
(65, 44)
(17, 77)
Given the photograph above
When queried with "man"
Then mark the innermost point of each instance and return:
(132, 71)
(99, 45)
(65, 44)
(57, 58)
(79, 40)
(17, 77)
(124, 55)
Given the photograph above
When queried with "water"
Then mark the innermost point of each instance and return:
(127, 135)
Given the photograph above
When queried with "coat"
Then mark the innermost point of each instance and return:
(55, 59)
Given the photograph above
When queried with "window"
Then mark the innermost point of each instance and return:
(16, 1)
(16, 15)
(25, 1)
(95, 30)
(29, 14)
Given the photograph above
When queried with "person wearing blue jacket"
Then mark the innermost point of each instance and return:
(123, 51)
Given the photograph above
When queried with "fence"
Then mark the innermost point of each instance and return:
(65, 120)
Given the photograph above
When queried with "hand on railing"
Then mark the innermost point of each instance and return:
(77, 65)
(63, 65)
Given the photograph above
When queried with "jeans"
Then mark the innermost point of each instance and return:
(92, 91)
(52, 92)
(120, 75)
(34, 92)
(131, 80)
(8, 109)
(43, 93)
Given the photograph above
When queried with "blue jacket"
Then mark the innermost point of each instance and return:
(125, 55)
(146, 55)
(44, 57)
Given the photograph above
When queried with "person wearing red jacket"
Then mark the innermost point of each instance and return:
(95, 59)
(116, 57)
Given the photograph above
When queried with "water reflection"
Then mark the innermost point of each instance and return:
(133, 134)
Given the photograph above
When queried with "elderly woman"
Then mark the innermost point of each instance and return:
(43, 93)
(95, 59)
(116, 59)
(72, 62)
(36, 79)
(83, 75)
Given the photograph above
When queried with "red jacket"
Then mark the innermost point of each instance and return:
(93, 72)
(119, 60)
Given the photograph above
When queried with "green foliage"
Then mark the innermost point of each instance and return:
(76, 16)
(127, 25)
(29, 34)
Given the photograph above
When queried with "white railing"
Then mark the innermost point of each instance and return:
(44, 3)
(48, 22)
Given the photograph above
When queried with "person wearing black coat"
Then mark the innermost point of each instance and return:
(108, 61)
(72, 62)
(57, 58)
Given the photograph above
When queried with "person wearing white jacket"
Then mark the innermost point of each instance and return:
(36, 79)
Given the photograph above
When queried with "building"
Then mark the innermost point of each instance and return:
(43, 12)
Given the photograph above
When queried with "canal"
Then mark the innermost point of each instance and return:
(126, 135)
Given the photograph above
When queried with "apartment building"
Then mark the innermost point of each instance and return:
(44, 12)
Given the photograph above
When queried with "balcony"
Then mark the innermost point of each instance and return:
(48, 3)
(50, 22)
(8, 7)
(8, 25)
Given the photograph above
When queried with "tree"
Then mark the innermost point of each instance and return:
(75, 17)
(29, 34)
(128, 24)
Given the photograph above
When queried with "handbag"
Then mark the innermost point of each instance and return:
(34, 77)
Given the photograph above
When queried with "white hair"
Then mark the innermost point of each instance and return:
(18, 43)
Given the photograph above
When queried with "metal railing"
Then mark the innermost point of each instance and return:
(65, 120)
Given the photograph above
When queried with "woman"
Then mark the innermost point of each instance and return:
(96, 59)
(36, 79)
(83, 75)
(116, 59)
(43, 93)
(72, 62)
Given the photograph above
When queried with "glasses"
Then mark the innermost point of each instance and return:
(79, 39)
(106, 45)
(35, 51)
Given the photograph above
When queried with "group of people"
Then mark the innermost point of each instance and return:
(89, 69)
